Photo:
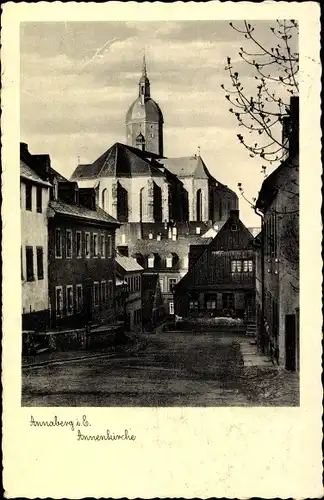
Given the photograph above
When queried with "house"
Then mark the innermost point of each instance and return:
(130, 272)
(278, 254)
(81, 241)
(34, 197)
(153, 311)
(165, 253)
(221, 276)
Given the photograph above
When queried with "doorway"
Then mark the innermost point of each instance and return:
(290, 342)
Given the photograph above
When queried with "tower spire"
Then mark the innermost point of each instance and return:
(144, 83)
(144, 72)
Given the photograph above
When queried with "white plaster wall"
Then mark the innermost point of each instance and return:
(188, 185)
(203, 185)
(34, 233)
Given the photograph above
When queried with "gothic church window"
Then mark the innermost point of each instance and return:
(199, 201)
(122, 203)
(104, 200)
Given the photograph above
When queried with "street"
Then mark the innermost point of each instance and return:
(168, 369)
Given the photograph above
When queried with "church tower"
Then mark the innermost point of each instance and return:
(144, 119)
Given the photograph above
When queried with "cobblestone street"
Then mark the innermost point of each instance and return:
(169, 369)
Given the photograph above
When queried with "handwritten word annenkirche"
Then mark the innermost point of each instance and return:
(84, 423)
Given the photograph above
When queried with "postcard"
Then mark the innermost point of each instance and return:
(161, 250)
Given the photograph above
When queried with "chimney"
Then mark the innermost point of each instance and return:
(24, 148)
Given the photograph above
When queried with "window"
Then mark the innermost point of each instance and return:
(171, 307)
(236, 266)
(29, 264)
(87, 245)
(109, 290)
(109, 246)
(69, 300)
(169, 261)
(96, 294)
(228, 300)
(58, 243)
(68, 244)
(102, 245)
(198, 230)
(174, 233)
(162, 284)
(247, 266)
(233, 227)
(103, 292)
(79, 299)
(193, 305)
(39, 192)
(29, 201)
(150, 235)
(59, 301)
(78, 244)
(186, 262)
(95, 245)
(40, 262)
(158, 237)
(172, 282)
(150, 261)
(211, 304)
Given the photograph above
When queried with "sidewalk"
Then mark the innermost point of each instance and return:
(60, 357)
(252, 356)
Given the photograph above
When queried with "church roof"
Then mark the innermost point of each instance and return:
(188, 166)
(119, 161)
(149, 111)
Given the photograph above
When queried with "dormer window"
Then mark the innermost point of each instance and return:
(174, 233)
(158, 237)
(233, 227)
(198, 230)
(150, 235)
(150, 261)
(169, 261)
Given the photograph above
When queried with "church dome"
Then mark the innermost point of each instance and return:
(148, 110)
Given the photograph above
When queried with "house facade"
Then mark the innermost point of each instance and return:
(34, 197)
(82, 277)
(278, 255)
(153, 310)
(221, 276)
(130, 272)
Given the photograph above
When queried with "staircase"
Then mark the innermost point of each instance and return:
(251, 330)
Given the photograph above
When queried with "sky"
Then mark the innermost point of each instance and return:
(78, 79)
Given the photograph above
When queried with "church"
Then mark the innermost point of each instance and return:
(164, 204)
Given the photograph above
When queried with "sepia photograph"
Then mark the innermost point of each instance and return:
(161, 199)
(159, 185)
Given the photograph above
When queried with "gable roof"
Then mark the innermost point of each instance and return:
(97, 215)
(225, 239)
(28, 173)
(128, 263)
(119, 161)
(269, 186)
